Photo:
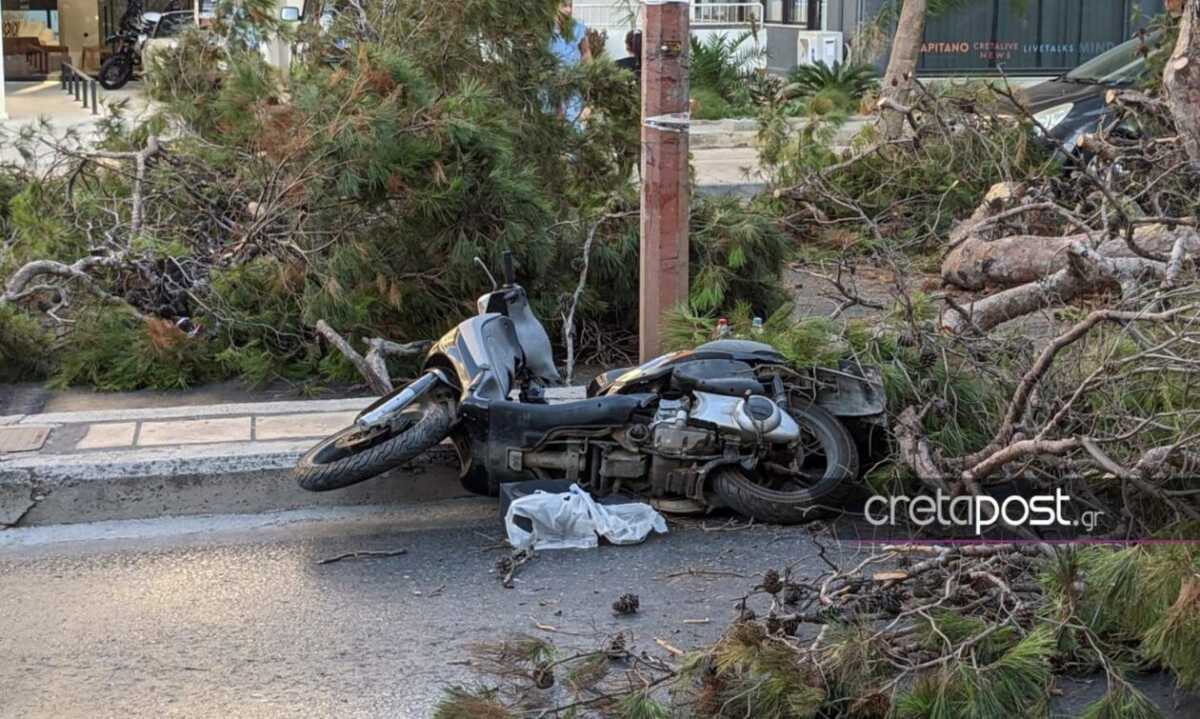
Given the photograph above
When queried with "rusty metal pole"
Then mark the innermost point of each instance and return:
(666, 194)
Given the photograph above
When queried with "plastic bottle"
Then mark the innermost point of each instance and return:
(756, 327)
(723, 331)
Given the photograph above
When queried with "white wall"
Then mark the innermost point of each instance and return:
(79, 23)
(3, 110)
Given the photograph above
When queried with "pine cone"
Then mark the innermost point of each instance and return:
(626, 604)
(771, 583)
(617, 647)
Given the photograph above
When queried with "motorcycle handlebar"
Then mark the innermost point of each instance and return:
(509, 276)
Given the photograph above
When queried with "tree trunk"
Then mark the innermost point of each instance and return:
(976, 263)
(902, 66)
(1182, 80)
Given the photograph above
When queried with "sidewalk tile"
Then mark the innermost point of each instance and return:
(297, 426)
(23, 439)
(110, 435)
(195, 431)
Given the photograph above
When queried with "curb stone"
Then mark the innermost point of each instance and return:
(65, 485)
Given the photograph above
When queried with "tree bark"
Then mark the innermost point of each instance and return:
(976, 263)
(902, 65)
(1086, 271)
(1182, 80)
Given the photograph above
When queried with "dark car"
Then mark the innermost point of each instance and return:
(1074, 104)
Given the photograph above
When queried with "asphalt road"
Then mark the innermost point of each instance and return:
(234, 617)
(244, 623)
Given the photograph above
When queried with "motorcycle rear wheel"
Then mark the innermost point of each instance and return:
(822, 486)
(352, 456)
(115, 73)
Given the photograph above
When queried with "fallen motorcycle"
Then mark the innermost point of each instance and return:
(728, 423)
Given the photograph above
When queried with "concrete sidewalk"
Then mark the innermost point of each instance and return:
(66, 467)
(34, 103)
(725, 154)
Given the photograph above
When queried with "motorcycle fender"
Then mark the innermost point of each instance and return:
(382, 410)
(857, 393)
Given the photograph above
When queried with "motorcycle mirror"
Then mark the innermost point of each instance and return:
(486, 271)
(289, 13)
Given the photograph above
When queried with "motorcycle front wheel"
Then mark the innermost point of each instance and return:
(354, 455)
(810, 480)
(115, 73)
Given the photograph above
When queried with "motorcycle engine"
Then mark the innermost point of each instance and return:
(672, 437)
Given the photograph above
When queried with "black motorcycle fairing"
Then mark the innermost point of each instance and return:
(604, 380)
(483, 353)
(744, 352)
(513, 303)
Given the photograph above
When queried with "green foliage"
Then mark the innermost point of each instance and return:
(721, 63)
(1136, 586)
(844, 85)
(745, 673)
(707, 104)
(462, 703)
(24, 347)
(854, 663)
(113, 351)
(640, 705)
(1174, 640)
(1166, 29)
(37, 229)
(1121, 701)
(809, 342)
(945, 630)
(1014, 684)
(737, 254)
(910, 195)
(1144, 599)
(358, 188)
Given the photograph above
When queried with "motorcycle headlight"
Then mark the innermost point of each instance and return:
(1054, 116)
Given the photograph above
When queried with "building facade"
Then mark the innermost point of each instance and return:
(1031, 37)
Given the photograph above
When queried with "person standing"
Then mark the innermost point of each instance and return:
(633, 46)
(569, 44)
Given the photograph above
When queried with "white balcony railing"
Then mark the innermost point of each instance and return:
(618, 13)
(726, 13)
(603, 15)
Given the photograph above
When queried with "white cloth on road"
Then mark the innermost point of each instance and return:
(573, 520)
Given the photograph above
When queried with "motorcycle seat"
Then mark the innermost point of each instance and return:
(540, 418)
(731, 386)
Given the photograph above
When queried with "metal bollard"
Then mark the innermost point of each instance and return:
(75, 84)
(94, 107)
(62, 76)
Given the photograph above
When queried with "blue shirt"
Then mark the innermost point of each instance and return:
(566, 49)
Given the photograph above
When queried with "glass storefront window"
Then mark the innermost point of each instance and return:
(32, 47)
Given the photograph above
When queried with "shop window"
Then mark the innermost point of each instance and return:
(32, 46)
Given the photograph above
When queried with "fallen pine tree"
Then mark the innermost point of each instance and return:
(914, 631)
(210, 239)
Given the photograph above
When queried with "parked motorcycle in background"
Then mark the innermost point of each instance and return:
(140, 39)
(117, 69)
(728, 423)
